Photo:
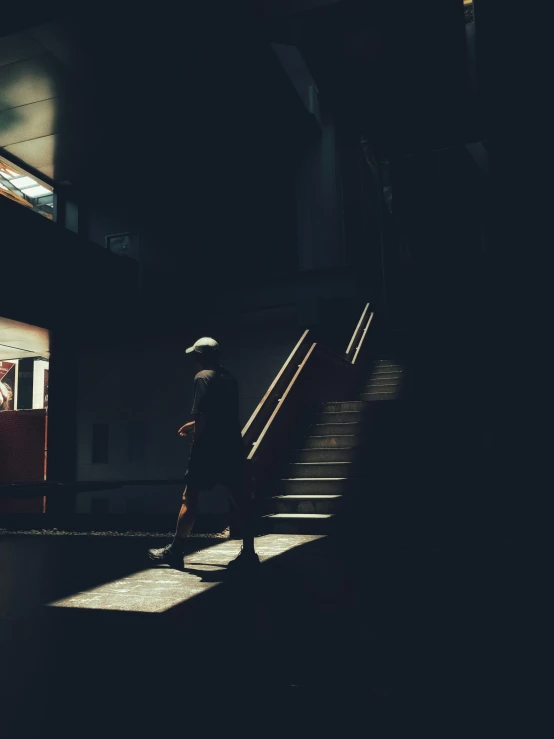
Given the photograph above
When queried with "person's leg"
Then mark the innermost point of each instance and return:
(240, 500)
(187, 514)
(173, 553)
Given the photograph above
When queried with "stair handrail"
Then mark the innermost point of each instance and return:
(359, 335)
(273, 401)
(267, 426)
(267, 404)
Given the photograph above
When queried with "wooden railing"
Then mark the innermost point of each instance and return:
(268, 404)
(312, 374)
(358, 337)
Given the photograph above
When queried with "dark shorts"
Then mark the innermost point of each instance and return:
(211, 465)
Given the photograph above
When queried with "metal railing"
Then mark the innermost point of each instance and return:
(309, 375)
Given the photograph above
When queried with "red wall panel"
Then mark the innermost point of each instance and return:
(22, 445)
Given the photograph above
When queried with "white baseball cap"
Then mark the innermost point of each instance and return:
(204, 345)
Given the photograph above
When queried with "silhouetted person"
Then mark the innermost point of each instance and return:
(216, 455)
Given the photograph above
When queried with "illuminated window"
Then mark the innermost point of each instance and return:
(37, 191)
(21, 182)
(20, 187)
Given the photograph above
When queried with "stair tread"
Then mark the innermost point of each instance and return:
(337, 423)
(323, 449)
(384, 380)
(331, 436)
(376, 372)
(338, 402)
(341, 426)
(313, 479)
(335, 413)
(320, 463)
(380, 372)
(385, 375)
(307, 496)
(378, 392)
(299, 515)
(381, 379)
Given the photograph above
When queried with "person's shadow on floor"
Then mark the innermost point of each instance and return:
(219, 575)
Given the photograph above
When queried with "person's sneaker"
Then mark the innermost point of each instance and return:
(245, 562)
(167, 555)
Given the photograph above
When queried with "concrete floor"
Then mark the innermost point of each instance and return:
(159, 589)
(330, 637)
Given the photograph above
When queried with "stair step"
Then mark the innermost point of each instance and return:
(298, 523)
(325, 454)
(336, 429)
(379, 395)
(333, 441)
(322, 504)
(340, 406)
(381, 385)
(356, 416)
(385, 376)
(319, 485)
(386, 371)
(319, 469)
(386, 379)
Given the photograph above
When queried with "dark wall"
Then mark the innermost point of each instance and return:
(436, 265)
(196, 122)
(514, 76)
(437, 276)
(365, 217)
(56, 279)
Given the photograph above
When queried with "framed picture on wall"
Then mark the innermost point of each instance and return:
(123, 244)
(8, 390)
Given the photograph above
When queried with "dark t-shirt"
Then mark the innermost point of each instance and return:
(216, 397)
(217, 454)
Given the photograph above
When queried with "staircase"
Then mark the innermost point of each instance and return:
(331, 461)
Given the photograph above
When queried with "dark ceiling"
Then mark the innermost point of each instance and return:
(144, 103)
(395, 69)
(135, 103)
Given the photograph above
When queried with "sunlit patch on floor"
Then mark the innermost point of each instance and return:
(157, 589)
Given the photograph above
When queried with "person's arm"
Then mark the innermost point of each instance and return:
(195, 427)
(198, 425)
(187, 428)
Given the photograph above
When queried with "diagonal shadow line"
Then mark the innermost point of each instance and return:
(207, 564)
(244, 584)
(71, 582)
(220, 575)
